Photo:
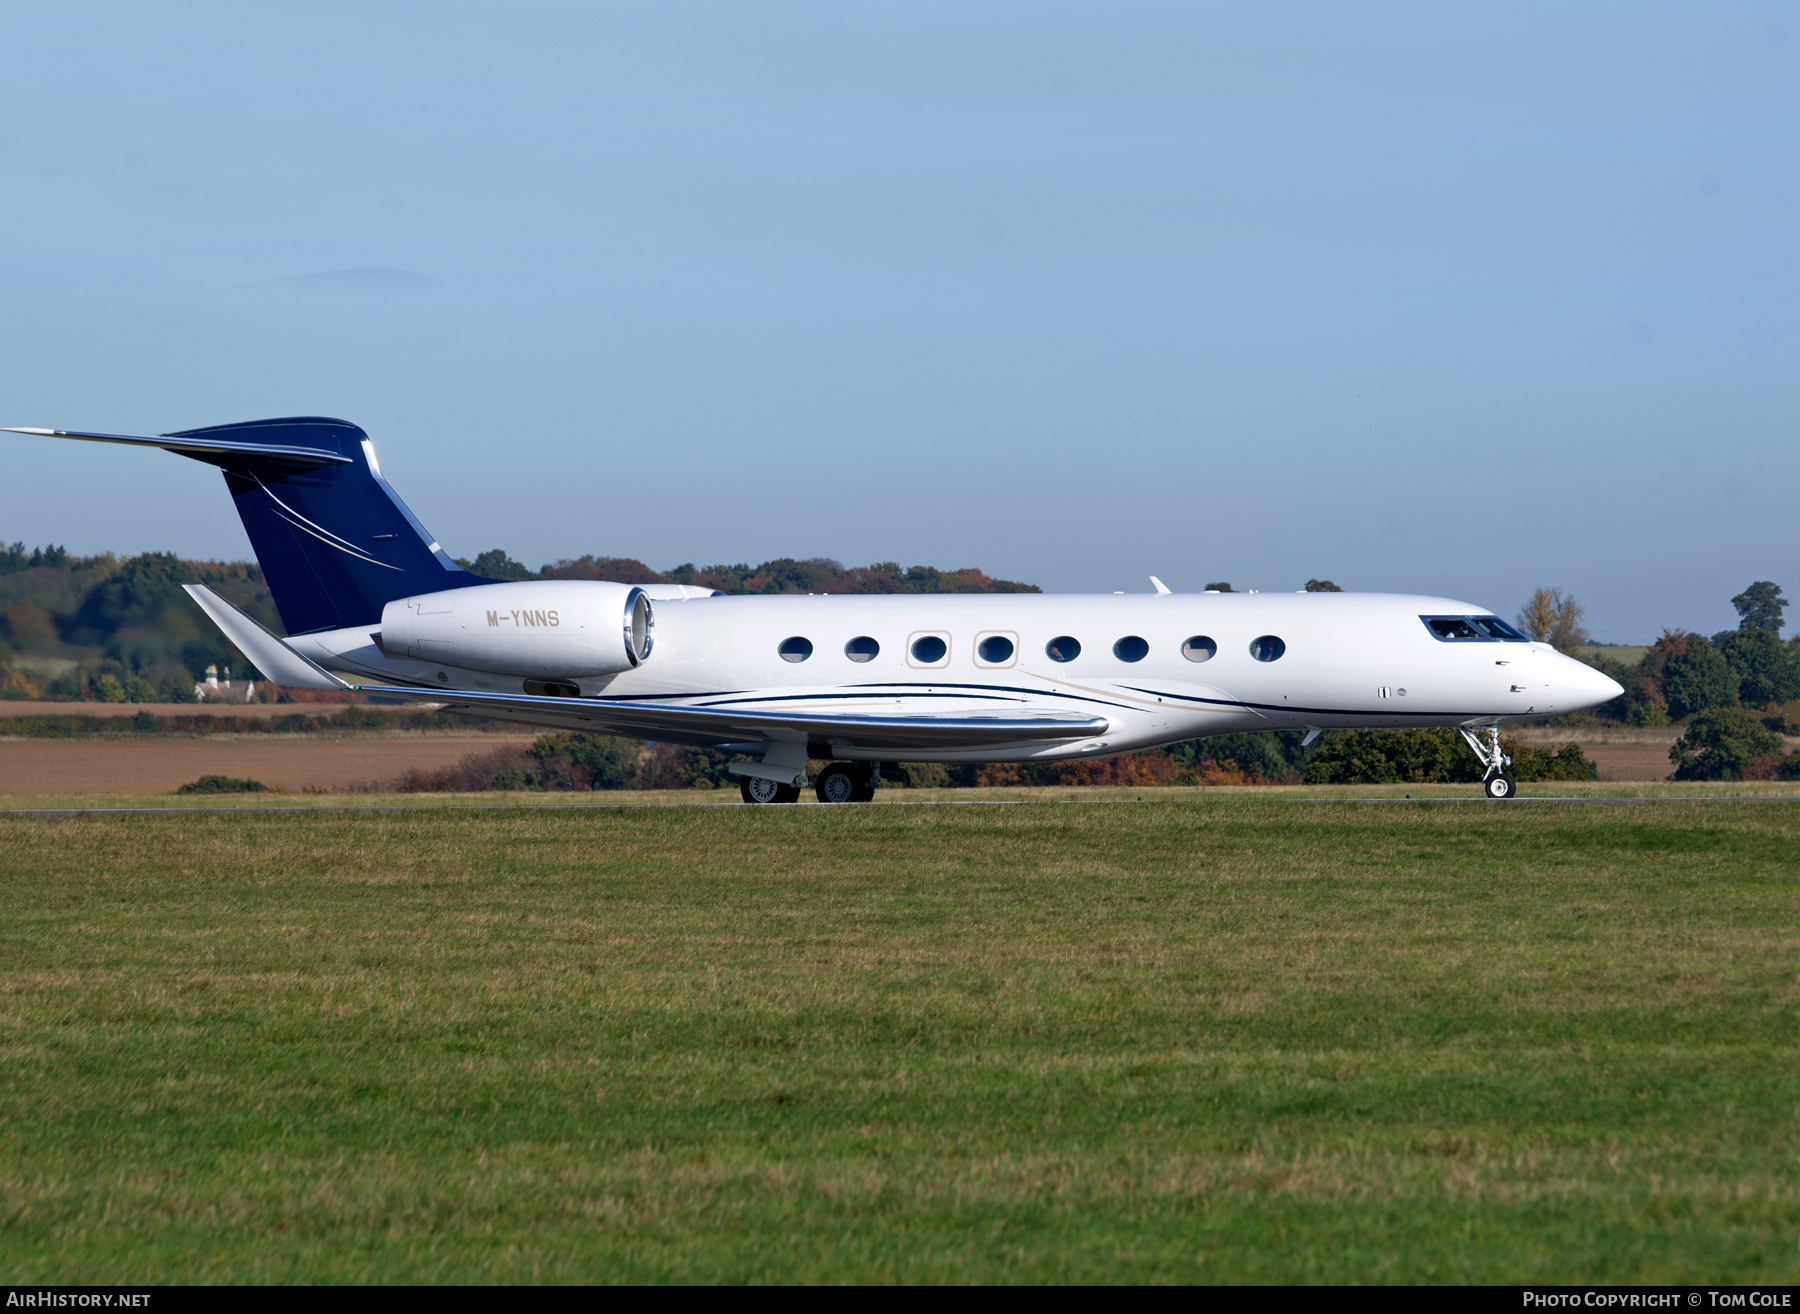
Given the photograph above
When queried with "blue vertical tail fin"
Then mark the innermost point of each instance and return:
(334, 540)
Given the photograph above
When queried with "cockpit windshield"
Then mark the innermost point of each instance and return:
(1472, 629)
(1453, 628)
(1495, 628)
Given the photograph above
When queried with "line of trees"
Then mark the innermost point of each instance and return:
(1681, 674)
(783, 575)
(114, 629)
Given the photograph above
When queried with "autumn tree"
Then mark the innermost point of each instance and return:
(1321, 586)
(1554, 617)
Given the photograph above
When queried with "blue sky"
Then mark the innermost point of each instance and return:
(1455, 299)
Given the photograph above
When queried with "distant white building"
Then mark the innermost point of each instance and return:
(228, 690)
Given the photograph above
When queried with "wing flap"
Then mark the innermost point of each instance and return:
(737, 724)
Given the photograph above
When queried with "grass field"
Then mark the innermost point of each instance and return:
(1239, 1036)
(1622, 656)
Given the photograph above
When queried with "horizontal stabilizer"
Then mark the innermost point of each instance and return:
(306, 457)
(271, 656)
(725, 725)
(335, 541)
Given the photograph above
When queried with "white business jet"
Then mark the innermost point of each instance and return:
(371, 602)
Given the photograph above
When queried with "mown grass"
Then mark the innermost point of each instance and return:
(1230, 1038)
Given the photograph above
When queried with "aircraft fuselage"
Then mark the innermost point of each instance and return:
(1345, 660)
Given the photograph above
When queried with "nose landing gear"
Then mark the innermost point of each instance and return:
(1496, 783)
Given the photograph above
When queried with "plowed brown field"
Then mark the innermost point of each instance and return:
(1634, 762)
(156, 766)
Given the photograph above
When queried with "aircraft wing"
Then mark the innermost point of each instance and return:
(737, 725)
(272, 657)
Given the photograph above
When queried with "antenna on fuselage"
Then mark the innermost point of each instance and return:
(1160, 586)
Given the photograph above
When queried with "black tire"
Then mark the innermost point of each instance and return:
(838, 783)
(757, 790)
(865, 794)
(1500, 786)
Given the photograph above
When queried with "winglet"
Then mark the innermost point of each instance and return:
(272, 657)
(1160, 586)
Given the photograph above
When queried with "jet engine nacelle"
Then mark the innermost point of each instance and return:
(540, 628)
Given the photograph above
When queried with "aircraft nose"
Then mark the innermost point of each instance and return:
(1588, 687)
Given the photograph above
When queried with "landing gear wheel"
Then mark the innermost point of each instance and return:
(757, 790)
(865, 794)
(1495, 783)
(839, 784)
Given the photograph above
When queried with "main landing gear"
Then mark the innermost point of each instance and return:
(757, 790)
(848, 782)
(1496, 783)
(841, 782)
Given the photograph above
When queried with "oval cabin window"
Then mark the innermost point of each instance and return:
(862, 649)
(1199, 648)
(929, 649)
(1062, 649)
(1267, 648)
(1131, 649)
(994, 649)
(795, 649)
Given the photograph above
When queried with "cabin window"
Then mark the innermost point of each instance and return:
(1131, 649)
(995, 650)
(1199, 648)
(1267, 648)
(1062, 649)
(795, 649)
(862, 649)
(929, 650)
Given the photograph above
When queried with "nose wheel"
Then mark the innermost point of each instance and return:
(1495, 783)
